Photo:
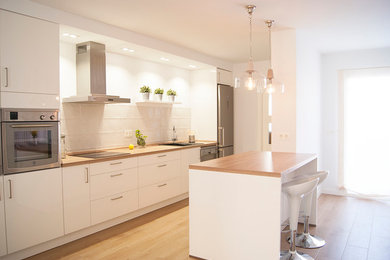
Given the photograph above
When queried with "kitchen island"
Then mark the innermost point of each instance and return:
(236, 205)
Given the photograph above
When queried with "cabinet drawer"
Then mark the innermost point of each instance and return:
(113, 206)
(114, 165)
(158, 172)
(107, 184)
(158, 158)
(159, 192)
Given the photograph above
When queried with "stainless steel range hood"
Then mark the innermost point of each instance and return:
(91, 75)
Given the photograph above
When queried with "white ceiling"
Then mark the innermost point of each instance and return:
(219, 28)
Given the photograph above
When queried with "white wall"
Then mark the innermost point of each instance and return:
(248, 112)
(330, 66)
(284, 105)
(204, 104)
(308, 96)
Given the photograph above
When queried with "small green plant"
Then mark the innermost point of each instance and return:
(140, 138)
(145, 89)
(158, 91)
(171, 92)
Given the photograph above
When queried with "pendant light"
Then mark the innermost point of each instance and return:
(251, 78)
(271, 85)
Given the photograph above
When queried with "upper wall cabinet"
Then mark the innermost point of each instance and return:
(224, 77)
(29, 54)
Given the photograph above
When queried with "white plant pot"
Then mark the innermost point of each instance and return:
(171, 98)
(145, 96)
(159, 97)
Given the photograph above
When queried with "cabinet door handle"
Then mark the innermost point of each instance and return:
(116, 175)
(117, 198)
(10, 189)
(86, 175)
(162, 155)
(162, 165)
(6, 77)
(115, 163)
(162, 185)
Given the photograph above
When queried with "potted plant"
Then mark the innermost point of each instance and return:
(145, 91)
(140, 138)
(171, 95)
(159, 93)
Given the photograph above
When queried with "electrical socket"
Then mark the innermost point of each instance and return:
(128, 133)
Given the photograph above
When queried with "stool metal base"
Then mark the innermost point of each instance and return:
(308, 241)
(294, 255)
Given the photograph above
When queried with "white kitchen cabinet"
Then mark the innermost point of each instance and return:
(76, 190)
(114, 206)
(158, 172)
(158, 158)
(33, 208)
(224, 77)
(113, 165)
(3, 243)
(188, 156)
(158, 192)
(29, 54)
(107, 184)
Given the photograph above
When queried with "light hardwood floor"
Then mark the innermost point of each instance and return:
(353, 228)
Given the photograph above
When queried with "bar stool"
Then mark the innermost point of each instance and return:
(305, 239)
(296, 190)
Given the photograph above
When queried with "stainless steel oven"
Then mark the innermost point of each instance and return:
(29, 139)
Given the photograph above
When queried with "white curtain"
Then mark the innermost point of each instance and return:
(365, 138)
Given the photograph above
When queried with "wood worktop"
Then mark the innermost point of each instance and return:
(271, 164)
(72, 160)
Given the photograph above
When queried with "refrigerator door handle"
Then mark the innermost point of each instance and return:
(221, 136)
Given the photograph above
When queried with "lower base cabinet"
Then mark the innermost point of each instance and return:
(111, 207)
(77, 204)
(3, 244)
(159, 192)
(33, 208)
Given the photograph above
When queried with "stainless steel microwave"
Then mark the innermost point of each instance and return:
(30, 139)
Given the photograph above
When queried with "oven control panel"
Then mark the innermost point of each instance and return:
(32, 115)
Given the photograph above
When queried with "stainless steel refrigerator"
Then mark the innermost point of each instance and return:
(225, 120)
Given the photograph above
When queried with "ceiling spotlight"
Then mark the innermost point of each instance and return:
(70, 35)
(192, 66)
(127, 49)
(164, 59)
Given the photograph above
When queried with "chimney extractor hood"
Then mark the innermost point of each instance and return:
(91, 75)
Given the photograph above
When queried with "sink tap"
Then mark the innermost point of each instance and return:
(174, 135)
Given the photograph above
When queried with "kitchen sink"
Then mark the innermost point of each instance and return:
(179, 144)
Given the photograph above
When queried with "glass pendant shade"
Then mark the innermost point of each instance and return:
(250, 79)
(272, 85)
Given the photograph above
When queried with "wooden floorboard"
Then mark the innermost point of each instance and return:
(353, 228)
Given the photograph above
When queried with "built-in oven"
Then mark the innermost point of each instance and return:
(30, 139)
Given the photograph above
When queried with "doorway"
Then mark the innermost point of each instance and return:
(365, 127)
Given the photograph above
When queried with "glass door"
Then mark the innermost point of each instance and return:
(30, 146)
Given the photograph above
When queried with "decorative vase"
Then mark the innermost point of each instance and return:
(171, 98)
(141, 143)
(145, 96)
(159, 97)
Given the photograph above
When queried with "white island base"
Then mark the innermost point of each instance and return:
(238, 214)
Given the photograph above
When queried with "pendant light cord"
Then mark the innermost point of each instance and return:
(250, 36)
(270, 45)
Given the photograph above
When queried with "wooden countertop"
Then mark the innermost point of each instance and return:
(127, 153)
(272, 164)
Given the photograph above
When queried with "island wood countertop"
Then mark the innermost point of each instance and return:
(271, 164)
(72, 160)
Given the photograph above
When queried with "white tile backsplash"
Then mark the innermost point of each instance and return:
(100, 126)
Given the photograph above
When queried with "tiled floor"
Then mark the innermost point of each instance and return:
(353, 228)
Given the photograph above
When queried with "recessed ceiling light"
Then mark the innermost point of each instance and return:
(164, 59)
(127, 49)
(70, 35)
(192, 66)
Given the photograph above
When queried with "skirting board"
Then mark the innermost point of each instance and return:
(90, 230)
